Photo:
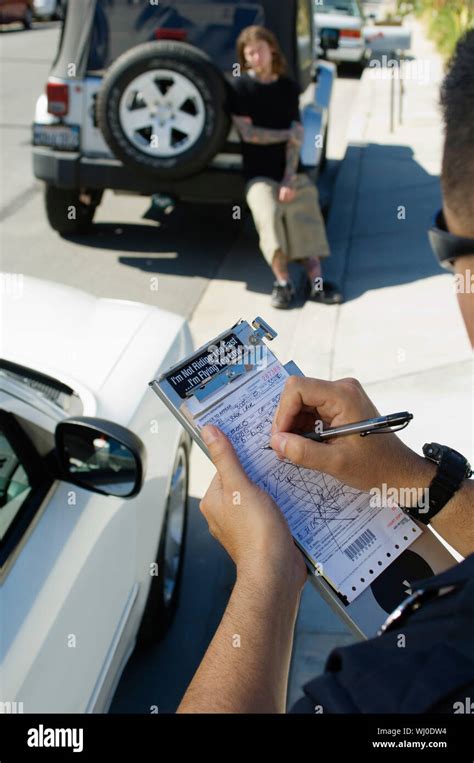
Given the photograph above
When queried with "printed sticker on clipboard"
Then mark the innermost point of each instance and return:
(235, 383)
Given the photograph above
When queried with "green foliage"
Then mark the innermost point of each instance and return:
(446, 20)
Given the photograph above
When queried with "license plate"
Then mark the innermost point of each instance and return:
(329, 37)
(63, 137)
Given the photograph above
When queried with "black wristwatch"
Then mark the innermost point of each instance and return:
(453, 469)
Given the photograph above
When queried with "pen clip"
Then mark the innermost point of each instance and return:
(387, 430)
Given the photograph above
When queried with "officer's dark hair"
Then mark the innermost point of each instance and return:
(457, 100)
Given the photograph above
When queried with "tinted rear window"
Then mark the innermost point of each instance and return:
(211, 26)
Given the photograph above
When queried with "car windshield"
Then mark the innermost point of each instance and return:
(345, 7)
(43, 386)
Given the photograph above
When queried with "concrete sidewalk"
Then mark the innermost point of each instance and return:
(399, 330)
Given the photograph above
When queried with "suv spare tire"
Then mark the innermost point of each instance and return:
(162, 109)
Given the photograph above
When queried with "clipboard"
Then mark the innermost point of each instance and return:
(230, 376)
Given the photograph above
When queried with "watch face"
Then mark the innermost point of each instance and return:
(433, 451)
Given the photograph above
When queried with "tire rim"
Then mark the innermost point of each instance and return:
(162, 113)
(175, 526)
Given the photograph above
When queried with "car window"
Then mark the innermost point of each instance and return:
(25, 479)
(211, 26)
(14, 485)
(344, 7)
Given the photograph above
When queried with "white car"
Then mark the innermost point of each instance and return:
(49, 9)
(84, 575)
(339, 25)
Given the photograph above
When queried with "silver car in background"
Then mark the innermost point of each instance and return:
(49, 9)
(339, 25)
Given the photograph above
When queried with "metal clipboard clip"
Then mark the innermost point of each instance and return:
(235, 370)
(218, 381)
(262, 331)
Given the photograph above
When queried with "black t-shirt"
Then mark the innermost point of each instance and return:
(274, 105)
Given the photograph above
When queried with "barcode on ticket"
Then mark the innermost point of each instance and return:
(356, 548)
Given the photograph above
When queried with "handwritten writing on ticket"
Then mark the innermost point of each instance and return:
(349, 541)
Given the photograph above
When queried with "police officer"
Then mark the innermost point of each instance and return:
(435, 671)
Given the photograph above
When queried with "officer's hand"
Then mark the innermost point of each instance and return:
(244, 519)
(363, 462)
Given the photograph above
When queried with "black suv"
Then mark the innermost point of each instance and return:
(137, 100)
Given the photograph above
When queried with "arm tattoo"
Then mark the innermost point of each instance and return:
(261, 136)
(293, 153)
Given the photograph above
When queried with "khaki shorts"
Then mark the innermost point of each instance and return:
(297, 227)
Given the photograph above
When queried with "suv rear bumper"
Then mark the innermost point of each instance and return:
(71, 170)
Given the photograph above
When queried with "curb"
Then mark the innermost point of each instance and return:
(345, 193)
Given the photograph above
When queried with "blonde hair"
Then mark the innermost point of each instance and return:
(252, 34)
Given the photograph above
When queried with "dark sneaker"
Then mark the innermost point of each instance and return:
(329, 294)
(282, 296)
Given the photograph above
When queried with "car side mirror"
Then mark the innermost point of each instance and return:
(100, 456)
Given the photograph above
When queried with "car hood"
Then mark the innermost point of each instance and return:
(68, 334)
(337, 21)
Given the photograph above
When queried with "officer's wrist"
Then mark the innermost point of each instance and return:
(281, 576)
(404, 476)
(412, 481)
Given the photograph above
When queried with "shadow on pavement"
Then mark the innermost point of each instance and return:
(161, 675)
(36, 26)
(383, 202)
(173, 247)
(349, 70)
(384, 205)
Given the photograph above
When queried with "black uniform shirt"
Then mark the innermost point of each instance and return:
(433, 671)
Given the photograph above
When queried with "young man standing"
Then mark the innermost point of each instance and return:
(282, 198)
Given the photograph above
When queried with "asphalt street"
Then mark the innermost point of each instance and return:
(118, 259)
(123, 254)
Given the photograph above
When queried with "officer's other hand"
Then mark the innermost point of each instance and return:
(244, 519)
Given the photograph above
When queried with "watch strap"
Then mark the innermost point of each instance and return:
(447, 480)
(450, 473)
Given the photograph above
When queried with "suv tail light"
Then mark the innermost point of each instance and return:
(58, 98)
(349, 33)
(171, 34)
